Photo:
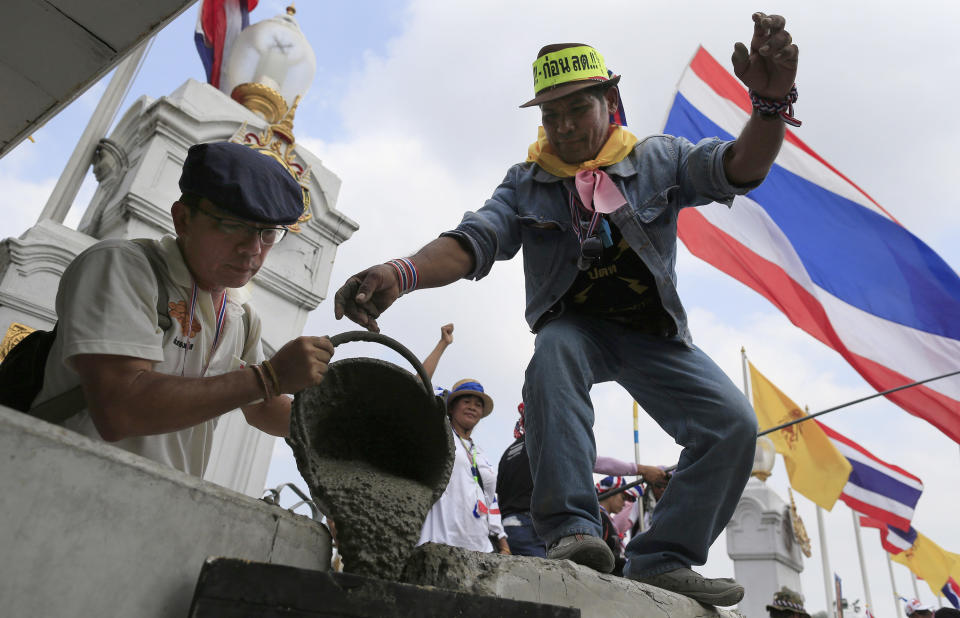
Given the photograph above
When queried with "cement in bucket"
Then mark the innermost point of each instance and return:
(373, 444)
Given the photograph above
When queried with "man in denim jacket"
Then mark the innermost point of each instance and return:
(595, 212)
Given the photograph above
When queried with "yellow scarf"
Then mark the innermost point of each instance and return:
(618, 145)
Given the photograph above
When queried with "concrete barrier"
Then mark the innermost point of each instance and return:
(556, 582)
(87, 529)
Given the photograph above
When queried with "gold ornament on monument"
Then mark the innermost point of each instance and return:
(799, 530)
(15, 334)
(270, 143)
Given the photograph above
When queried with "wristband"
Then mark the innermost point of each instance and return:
(406, 274)
(275, 382)
(777, 107)
(258, 371)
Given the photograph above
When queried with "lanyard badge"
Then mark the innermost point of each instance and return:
(593, 237)
(188, 336)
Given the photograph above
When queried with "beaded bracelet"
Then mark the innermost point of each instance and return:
(273, 376)
(406, 273)
(782, 107)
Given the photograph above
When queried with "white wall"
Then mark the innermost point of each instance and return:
(87, 529)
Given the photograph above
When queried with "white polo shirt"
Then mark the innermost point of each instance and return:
(107, 304)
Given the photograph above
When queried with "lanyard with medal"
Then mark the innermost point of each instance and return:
(598, 195)
(221, 318)
(480, 508)
(591, 247)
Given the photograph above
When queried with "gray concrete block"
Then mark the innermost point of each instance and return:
(240, 589)
(87, 529)
(557, 582)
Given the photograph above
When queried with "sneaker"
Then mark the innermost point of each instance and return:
(723, 592)
(590, 551)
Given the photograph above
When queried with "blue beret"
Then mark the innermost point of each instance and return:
(243, 182)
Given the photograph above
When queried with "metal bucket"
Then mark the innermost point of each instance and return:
(373, 443)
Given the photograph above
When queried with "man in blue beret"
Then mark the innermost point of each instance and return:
(153, 379)
(594, 210)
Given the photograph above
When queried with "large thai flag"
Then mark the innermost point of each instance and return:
(876, 488)
(894, 540)
(218, 24)
(827, 255)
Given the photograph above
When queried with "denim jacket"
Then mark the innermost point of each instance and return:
(530, 209)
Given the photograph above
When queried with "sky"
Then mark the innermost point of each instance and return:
(414, 107)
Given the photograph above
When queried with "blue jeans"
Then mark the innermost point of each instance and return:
(522, 538)
(684, 391)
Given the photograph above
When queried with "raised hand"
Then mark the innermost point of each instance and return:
(446, 333)
(366, 295)
(769, 68)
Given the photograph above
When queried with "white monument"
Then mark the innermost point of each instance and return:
(765, 539)
(270, 68)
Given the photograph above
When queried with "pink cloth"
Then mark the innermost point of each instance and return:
(625, 519)
(598, 191)
(614, 467)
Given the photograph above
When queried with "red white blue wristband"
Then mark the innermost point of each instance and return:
(406, 274)
(782, 107)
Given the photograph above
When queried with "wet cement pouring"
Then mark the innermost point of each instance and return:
(376, 451)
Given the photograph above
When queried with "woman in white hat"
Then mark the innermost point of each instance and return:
(467, 514)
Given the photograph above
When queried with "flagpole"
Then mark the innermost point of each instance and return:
(863, 563)
(827, 584)
(824, 556)
(850, 403)
(636, 433)
(893, 585)
(636, 458)
(743, 368)
(916, 591)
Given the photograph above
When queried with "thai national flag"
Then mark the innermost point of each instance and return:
(893, 539)
(952, 592)
(218, 23)
(827, 255)
(875, 488)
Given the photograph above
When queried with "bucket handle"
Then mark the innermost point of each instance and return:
(393, 344)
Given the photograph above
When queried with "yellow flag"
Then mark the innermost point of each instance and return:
(815, 467)
(955, 567)
(928, 561)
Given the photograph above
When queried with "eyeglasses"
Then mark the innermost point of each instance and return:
(232, 227)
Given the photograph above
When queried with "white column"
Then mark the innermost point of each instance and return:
(60, 201)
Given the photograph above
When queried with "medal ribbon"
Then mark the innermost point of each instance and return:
(221, 319)
(480, 508)
(575, 219)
